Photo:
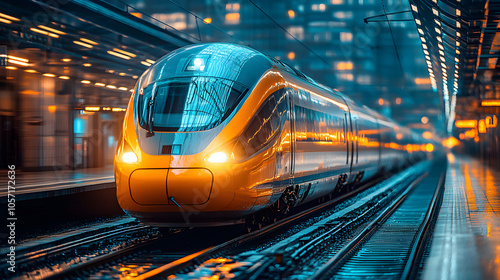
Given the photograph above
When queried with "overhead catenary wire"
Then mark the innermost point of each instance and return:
(286, 31)
(395, 47)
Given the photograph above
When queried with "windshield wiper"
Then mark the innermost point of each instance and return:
(150, 113)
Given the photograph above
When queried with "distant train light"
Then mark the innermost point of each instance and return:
(92, 108)
(471, 133)
(466, 124)
(491, 121)
(218, 157)
(429, 147)
(427, 135)
(481, 127)
(451, 142)
(490, 103)
(129, 157)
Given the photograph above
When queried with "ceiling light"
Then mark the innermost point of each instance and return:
(426, 52)
(52, 30)
(5, 21)
(86, 82)
(64, 77)
(122, 74)
(437, 22)
(458, 34)
(124, 52)
(83, 44)
(30, 71)
(119, 55)
(66, 59)
(457, 60)
(49, 75)
(435, 12)
(9, 17)
(123, 88)
(145, 63)
(437, 30)
(87, 64)
(111, 86)
(11, 68)
(442, 58)
(44, 32)
(420, 31)
(418, 21)
(441, 52)
(423, 39)
(99, 84)
(439, 39)
(89, 41)
(424, 46)
(457, 51)
(414, 8)
(150, 61)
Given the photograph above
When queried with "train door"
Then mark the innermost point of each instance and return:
(291, 117)
(350, 145)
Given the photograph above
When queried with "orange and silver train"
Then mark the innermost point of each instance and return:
(215, 133)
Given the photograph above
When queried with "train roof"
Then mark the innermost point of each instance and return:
(221, 60)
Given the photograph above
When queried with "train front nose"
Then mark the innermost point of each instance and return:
(172, 186)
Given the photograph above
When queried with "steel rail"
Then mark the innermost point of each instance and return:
(415, 255)
(334, 262)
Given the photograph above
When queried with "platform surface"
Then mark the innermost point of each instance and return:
(35, 185)
(466, 240)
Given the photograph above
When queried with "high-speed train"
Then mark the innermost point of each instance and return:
(217, 134)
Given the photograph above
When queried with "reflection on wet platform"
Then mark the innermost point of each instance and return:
(466, 241)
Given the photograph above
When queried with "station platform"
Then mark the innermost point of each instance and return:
(466, 238)
(37, 185)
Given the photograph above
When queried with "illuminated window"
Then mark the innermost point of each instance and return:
(346, 36)
(233, 18)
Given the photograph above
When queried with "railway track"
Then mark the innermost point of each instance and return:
(45, 256)
(392, 245)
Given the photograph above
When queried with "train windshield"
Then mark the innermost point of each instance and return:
(194, 104)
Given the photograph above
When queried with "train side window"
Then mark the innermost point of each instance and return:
(263, 125)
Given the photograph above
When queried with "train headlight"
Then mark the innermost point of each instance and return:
(218, 157)
(129, 157)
